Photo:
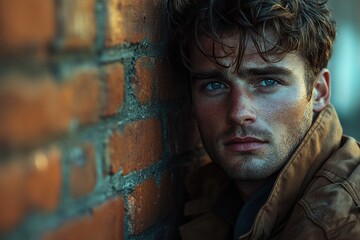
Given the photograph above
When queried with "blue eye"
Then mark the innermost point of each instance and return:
(267, 83)
(214, 86)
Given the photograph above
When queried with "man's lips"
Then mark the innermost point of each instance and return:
(244, 144)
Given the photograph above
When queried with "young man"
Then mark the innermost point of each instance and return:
(260, 91)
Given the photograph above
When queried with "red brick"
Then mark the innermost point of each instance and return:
(149, 202)
(47, 107)
(133, 21)
(114, 93)
(83, 96)
(26, 23)
(43, 183)
(83, 171)
(143, 83)
(29, 183)
(144, 205)
(139, 146)
(12, 205)
(183, 135)
(78, 23)
(105, 223)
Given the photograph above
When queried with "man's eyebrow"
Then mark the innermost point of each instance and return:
(267, 70)
(243, 72)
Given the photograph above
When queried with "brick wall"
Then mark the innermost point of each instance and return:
(95, 133)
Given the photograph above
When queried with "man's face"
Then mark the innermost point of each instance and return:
(251, 120)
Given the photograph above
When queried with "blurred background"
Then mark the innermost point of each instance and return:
(345, 65)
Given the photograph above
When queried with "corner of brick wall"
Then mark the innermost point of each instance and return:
(95, 133)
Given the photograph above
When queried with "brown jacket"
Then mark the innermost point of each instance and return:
(315, 196)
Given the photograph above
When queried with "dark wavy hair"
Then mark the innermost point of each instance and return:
(301, 26)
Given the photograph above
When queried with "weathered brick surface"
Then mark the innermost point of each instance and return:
(82, 94)
(148, 203)
(86, 89)
(133, 21)
(139, 146)
(106, 222)
(142, 83)
(47, 107)
(78, 23)
(44, 180)
(144, 206)
(26, 23)
(83, 170)
(114, 89)
(29, 183)
(12, 206)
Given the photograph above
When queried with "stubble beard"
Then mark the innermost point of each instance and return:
(246, 167)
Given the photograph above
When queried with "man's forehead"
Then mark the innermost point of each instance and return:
(215, 57)
(227, 48)
(231, 40)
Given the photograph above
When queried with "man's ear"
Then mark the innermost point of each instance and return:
(321, 90)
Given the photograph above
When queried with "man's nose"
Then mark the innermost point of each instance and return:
(241, 108)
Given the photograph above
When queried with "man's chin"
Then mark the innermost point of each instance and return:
(247, 169)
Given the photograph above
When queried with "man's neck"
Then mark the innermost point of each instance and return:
(248, 188)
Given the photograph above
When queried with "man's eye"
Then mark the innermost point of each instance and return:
(214, 86)
(267, 83)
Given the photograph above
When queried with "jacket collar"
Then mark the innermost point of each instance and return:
(321, 140)
(205, 187)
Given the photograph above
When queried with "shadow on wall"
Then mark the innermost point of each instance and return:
(345, 65)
